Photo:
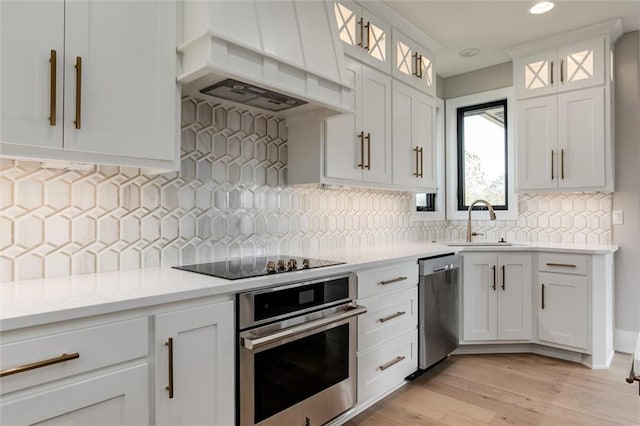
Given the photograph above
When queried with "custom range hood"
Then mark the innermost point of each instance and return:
(282, 56)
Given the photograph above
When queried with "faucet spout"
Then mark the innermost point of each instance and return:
(492, 216)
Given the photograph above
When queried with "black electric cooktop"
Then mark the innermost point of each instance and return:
(247, 267)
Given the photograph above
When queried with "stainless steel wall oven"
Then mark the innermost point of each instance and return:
(297, 352)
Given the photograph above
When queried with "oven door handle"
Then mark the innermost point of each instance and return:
(257, 342)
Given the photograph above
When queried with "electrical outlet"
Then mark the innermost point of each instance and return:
(617, 217)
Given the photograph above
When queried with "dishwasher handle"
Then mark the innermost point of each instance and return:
(448, 267)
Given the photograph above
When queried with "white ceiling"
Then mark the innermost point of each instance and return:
(494, 26)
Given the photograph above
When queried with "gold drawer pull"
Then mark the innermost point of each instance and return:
(392, 316)
(391, 363)
(169, 345)
(39, 364)
(395, 280)
(562, 265)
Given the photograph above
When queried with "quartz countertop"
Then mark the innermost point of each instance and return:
(34, 302)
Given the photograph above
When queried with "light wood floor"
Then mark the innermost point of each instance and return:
(514, 389)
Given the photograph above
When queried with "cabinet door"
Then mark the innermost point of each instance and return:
(582, 64)
(562, 312)
(581, 138)
(350, 29)
(376, 123)
(536, 75)
(425, 138)
(514, 297)
(126, 103)
(537, 130)
(203, 366)
(406, 164)
(427, 74)
(376, 42)
(31, 85)
(479, 300)
(116, 398)
(344, 146)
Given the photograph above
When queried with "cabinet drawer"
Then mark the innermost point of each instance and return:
(374, 282)
(575, 264)
(386, 366)
(387, 316)
(96, 347)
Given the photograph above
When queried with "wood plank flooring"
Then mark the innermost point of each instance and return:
(511, 389)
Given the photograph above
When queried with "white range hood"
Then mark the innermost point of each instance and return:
(282, 56)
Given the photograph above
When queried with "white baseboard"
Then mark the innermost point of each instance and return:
(625, 341)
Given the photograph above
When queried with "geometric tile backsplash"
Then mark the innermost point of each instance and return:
(230, 198)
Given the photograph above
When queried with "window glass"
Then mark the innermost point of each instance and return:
(482, 154)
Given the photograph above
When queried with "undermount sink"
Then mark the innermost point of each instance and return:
(478, 244)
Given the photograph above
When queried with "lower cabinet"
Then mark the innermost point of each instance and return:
(115, 398)
(563, 300)
(496, 297)
(388, 332)
(195, 366)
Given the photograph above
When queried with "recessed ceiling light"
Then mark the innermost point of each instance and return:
(541, 7)
(467, 53)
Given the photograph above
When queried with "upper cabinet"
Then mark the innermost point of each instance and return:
(568, 67)
(564, 111)
(363, 35)
(412, 63)
(91, 82)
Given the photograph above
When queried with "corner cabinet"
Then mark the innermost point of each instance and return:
(496, 297)
(564, 120)
(195, 366)
(70, 92)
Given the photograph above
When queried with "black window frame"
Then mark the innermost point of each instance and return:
(460, 150)
(431, 203)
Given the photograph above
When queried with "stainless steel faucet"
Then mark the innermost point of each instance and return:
(492, 216)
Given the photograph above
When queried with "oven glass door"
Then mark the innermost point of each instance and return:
(290, 373)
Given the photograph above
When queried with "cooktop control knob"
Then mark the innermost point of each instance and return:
(281, 267)
(271, 267)
(292, 265)
(305, 264)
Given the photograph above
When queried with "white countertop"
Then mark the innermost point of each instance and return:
(34, 302)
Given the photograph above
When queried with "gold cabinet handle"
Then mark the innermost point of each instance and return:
(361, 24)
(21, 369)
(551, 73)
(562, 71)
(493, 286)
(421, 161)
(420, 67)
(415, 62)
(368, 138)
(552, 164)
(417, 151)
(361, 136)
(563, 265)
(562, 164)
(169, 344)
(392, 316)
(542, 306)
(53, 82)
(394, 280)
(78, 120)
(391, 363)
(503, 277)
(368, 27)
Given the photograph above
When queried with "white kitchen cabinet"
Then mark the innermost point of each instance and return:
(561, 141)
(364, 36)
(195, 365)
(388, 331)
(414, 139)
(77, 375)
(111, 87)
(352, 149)
(568, 67)
(496, 297)
(412, 63)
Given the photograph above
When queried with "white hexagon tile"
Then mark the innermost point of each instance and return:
(229, 199)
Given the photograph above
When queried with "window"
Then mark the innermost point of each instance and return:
(482, 155)
(426, 202)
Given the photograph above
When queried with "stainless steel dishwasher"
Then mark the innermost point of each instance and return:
(438, 308)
